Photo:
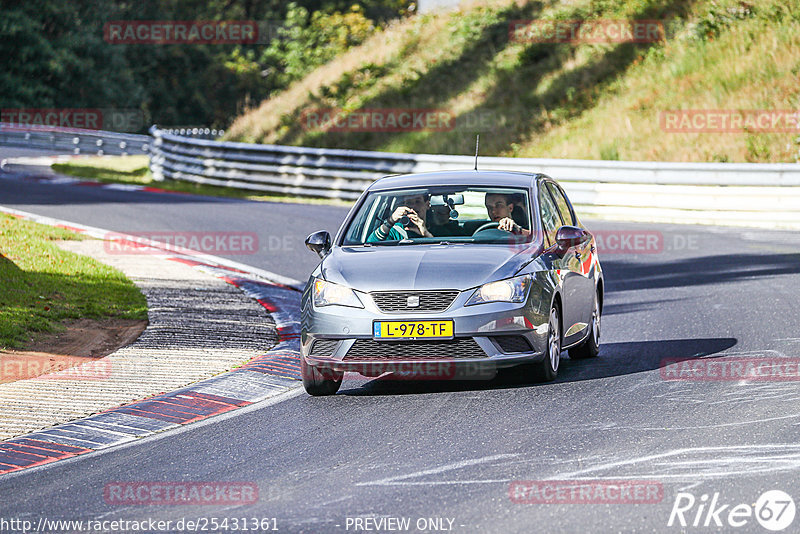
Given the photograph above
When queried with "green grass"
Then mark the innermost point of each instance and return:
(42, 285)
(134, 170)
(126, 169)
(564, 100)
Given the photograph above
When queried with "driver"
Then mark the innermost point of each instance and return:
(415, 207)
(500, 208)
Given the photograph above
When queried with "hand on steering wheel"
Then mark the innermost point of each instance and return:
(486, 226)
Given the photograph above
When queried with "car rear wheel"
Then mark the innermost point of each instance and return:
(319, 382)
(591, 347)
(547, 369)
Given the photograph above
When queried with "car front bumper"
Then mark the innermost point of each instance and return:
(343, 331)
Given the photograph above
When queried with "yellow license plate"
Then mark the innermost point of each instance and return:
(412, 329)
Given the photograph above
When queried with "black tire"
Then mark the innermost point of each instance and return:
(547, 369)
(319, 382)
(590, 348)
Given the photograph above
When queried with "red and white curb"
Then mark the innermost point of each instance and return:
(263, 377)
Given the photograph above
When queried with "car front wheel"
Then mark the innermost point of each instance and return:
(319, 382)
(547, 369)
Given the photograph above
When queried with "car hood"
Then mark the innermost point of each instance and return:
(422, 266)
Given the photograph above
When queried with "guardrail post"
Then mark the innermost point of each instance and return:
(155, 154)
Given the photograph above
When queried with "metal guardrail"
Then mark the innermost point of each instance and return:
(631, 172)
(746, 194)
(73, 140)
(312, 172)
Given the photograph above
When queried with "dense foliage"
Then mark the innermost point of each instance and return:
(54, 54)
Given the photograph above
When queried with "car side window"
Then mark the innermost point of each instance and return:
(551, 221)
(366, 221)
(563, 206)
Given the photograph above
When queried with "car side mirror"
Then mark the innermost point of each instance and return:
(570, 236)
(319, 242)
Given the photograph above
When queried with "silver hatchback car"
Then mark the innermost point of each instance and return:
(451, 275)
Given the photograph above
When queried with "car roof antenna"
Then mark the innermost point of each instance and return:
(477, 144)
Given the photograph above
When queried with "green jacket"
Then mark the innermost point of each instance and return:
(396, 233)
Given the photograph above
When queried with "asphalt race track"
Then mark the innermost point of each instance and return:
(446, 453)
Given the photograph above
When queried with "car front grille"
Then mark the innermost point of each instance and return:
(459, 348)
(513, 343)
(324, 347)
(429, 301)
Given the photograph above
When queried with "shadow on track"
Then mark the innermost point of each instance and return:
(35, 186)
(694, 271)
(616, 359)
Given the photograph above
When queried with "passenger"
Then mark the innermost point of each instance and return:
(441, 225)
(415, 207)
(500, 209)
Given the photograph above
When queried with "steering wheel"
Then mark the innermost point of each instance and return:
(486, 226)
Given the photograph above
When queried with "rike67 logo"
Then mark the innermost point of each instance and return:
(774, 510)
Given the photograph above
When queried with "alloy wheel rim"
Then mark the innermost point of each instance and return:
(596, 323)
(555, 352)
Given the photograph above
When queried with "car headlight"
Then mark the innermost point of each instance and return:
(509, 290)
(327, 293)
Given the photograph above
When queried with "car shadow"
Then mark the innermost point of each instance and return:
(615, 359)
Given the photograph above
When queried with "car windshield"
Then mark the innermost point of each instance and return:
(454, 214)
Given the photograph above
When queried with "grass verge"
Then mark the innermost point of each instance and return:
(134, 170)
(581, 100)
(42, 285)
